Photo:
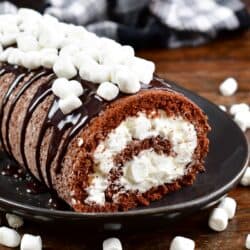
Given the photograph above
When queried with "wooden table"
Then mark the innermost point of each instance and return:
(201, 70)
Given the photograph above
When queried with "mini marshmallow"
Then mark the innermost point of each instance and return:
(95, 73)
(144, 69)
(9, 237)
(218, 220)
(76, 32)
(49, 36)
(69, 50)
(245, 181)
(228, 87)
(112, 244)
(31, 242)
(118, 55)
(229, 205)
(108, 44)
(138, 171)
(25, 13)
(48, 60)
(14, 221)
(15, 57)
(139, 128)
(8, 39)
(108, 91)
(69, 104)
(49, 51)
(126, 80)
(223, 108)
(243, 120)
(64, 67)
(27, 42)
(9, 27)
(5, 54)
(83, 59)
(182, 243)
(63, 88)
(247, 244)
(236, 108)
(26, 27)
(31, 60)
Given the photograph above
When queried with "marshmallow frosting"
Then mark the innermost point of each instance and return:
(148, 169)
(32, 40)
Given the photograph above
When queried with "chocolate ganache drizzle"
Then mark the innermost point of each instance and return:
(61, 125)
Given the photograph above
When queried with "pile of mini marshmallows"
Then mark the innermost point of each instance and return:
(241, 111)
(32, 40)
(218, 221)
(9, 237)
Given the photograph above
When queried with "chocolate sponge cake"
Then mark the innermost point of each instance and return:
(87, 118)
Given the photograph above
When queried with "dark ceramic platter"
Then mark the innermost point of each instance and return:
(225, 164)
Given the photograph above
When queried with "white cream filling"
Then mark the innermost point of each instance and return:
(148, 169)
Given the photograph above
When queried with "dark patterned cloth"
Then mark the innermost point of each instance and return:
(152, 23)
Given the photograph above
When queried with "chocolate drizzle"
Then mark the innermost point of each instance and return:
(42, 92)
(63, 127)
(60, 124)
(19, 77)
(26, 85)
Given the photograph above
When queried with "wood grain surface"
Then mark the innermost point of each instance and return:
(201, 70)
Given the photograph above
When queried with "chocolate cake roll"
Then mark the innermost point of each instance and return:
(87, 118)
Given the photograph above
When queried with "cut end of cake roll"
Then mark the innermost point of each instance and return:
(136, 151)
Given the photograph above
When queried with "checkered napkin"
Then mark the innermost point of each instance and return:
(154, 23)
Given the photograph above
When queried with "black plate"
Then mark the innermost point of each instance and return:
(225, 164)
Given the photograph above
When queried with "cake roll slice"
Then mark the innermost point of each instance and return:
(86, 117)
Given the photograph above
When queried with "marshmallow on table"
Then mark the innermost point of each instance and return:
(236, 108)
(108, 91)
(14, 221)
(243, 120)
(31, 242)
(182, 243)
(127, 81)
(247, 244)
(64, 67)
(245, 181)
(228, 87)
(112, 244)
(229, 205)
(218, 219)
(223, 108)
(9, 237)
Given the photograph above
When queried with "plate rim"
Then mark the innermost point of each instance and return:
(198, 202)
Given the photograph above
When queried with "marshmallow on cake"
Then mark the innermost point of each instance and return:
(88, 118)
